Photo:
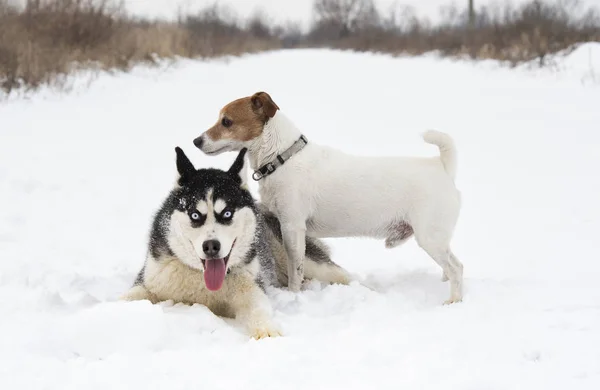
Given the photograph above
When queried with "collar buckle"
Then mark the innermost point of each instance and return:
(269, 168)
(257, 175)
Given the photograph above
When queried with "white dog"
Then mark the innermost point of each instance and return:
(322, 192)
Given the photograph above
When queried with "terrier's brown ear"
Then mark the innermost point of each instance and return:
(262, 101)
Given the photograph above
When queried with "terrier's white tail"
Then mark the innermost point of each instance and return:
(447, 149)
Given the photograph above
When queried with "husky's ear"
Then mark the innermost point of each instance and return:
(184, 167)
(239, 170)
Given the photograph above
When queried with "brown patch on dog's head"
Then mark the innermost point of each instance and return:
(243, 119)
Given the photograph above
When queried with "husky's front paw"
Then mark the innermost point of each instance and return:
(136, 293)
(263, 332)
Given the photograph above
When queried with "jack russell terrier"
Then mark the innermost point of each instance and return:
(322, 192)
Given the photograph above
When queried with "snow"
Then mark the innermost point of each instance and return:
(82, 172)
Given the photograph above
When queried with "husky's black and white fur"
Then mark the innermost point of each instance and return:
(212, 244)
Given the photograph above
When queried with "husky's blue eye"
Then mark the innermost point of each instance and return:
(227, 214)
(195, 216)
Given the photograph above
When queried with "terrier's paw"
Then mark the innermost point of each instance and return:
(295, 287)
(453, 300)
(263, 332)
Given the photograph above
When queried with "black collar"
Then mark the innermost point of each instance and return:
(269, 168)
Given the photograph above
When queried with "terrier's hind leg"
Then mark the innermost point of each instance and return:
(453, 269)
(456, 262)
(436, 246)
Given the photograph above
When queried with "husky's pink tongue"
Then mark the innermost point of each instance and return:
(214, 274)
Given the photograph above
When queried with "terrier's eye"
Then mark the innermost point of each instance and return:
(226, 122)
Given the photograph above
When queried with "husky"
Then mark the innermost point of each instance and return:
(211, 243)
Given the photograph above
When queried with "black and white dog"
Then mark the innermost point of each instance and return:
(212, 244)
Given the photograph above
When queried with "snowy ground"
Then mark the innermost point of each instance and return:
(82, 173)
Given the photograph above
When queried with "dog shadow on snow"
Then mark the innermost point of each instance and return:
(416, 286)
(412, 288)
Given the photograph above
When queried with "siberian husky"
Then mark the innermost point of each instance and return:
(212, 244)
(319, 191)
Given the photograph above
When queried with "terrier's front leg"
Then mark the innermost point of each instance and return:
(294, 241)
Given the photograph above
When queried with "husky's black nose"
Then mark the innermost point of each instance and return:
(211, 248)
(198, 142)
